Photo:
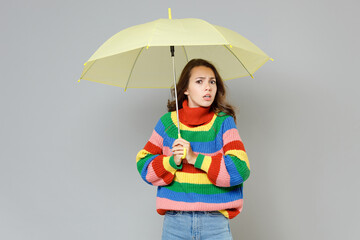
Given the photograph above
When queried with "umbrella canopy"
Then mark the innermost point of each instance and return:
(139, 56)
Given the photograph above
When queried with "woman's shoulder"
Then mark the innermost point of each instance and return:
(165, 119)
(163, 122)
(226, 119)
(166, 115)
(223, 115)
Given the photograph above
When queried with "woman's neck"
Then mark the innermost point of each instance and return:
(194, 116)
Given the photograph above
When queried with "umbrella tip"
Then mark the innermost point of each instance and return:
(271, 59)
(79, 80)
(169, 11)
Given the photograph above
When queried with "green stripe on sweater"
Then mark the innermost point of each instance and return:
(192, 136)
(241, 167)
(207, 189)
(140, 164)
(199, 160)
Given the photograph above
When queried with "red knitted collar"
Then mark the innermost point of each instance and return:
(193, 117)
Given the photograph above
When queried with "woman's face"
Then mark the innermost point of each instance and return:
(202, 87)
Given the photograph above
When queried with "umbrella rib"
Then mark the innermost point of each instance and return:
(152, 33)
(87, 70)
(133, 68)
(228, 48)
(238, 60)
(187, 59)
(212, 26)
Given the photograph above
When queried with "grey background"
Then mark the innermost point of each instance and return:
(68, 170)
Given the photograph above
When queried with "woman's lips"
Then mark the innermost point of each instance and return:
(207, 97)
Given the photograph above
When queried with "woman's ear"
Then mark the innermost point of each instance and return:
(186, 92)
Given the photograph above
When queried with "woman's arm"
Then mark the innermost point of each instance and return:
(231, 168)
(154, 167)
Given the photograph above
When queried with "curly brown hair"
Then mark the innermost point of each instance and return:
(219, 105)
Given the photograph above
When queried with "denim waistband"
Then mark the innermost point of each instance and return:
(193, 212)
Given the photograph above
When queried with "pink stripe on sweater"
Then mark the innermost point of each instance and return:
(167, 204)
(223, 179)
(231, 135)
(153, 178)
(167, 151)
(156, 139)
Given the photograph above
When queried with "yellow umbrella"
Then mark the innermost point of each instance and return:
(139, 56)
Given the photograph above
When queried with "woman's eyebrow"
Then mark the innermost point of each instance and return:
(205, 77)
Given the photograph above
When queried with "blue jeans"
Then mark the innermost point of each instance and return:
(195, 225)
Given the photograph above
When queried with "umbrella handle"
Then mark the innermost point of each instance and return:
(184, 154)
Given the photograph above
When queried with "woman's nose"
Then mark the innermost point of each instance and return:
(208, 86)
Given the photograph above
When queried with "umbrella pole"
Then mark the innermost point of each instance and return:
(172, 50)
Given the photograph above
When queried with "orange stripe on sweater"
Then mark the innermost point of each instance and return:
(151, 148)
(189, 168)
(160, 171)
(234, 212)
(234, 145)
(215, 168)
(153, 178)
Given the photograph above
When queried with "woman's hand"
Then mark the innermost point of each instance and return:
(178, 150)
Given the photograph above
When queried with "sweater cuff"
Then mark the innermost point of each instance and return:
(199, 160)
(171, 166)
(203, 162)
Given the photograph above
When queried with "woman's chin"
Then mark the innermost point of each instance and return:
(206, 103)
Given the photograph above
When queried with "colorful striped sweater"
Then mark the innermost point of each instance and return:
(213, 183)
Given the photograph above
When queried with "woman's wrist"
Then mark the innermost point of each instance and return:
(177, 161)
(192, 158)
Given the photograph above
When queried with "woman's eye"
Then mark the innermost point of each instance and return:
(198, 81)
(213, 82)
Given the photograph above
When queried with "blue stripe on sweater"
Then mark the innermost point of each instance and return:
(144, 170)
(234, 195)
(160, 129)
(202, 147)
(235, 177)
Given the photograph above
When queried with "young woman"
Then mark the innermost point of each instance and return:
(199, 194)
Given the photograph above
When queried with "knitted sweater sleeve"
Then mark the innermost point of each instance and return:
(231, 167)
(154, 167)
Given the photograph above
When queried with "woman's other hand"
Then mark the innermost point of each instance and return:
(178, 151)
